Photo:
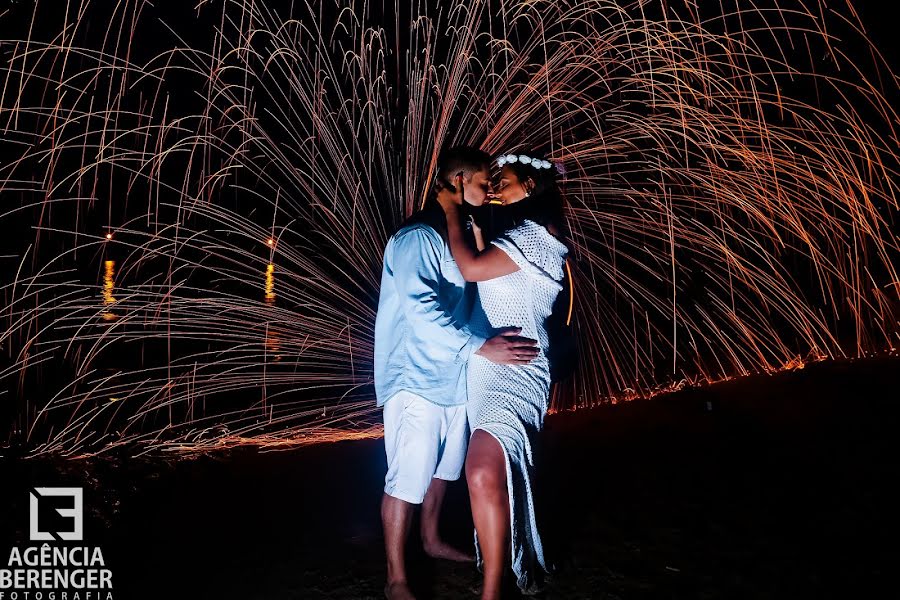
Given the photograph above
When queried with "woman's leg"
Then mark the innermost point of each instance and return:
(486, 476)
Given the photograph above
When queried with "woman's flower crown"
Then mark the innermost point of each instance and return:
(524, 159)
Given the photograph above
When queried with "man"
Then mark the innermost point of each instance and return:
(422, 344)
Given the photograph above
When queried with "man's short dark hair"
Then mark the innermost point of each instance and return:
(460, 158)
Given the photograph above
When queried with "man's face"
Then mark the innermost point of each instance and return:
(477, 188)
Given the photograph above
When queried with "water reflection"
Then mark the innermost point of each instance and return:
(270, 284)
(273, 339)
(109, 285)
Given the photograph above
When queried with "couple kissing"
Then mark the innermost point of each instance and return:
(463, 361)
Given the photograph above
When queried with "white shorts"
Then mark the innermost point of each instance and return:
(422, 440)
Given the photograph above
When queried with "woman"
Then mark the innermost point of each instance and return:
(519, 276)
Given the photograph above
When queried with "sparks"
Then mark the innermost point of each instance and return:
(731, 180)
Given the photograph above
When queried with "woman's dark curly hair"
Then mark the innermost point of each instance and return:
(544, 206)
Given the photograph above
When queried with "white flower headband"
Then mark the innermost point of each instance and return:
(524, 159)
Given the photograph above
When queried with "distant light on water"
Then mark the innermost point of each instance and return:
(109, 282)
(270, 284)
(109, 285)
(272, 337)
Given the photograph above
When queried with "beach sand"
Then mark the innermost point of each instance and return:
(777, 486)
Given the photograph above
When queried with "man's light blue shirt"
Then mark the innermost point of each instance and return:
(422, 342)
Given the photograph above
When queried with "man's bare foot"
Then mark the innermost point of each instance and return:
(447, 552)
(398, 591)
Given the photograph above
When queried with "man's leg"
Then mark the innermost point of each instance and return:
(434, 546)
(396, 515)
(412, 428)
(455, 434)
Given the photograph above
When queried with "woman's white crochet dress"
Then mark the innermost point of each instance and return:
(510, 401)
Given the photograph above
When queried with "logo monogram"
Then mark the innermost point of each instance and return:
(76, 513)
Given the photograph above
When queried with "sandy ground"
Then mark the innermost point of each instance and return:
(784, 489)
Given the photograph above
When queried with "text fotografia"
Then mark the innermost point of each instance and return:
(80, 570)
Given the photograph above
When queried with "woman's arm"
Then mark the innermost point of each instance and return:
(479, 236)
(474, 265)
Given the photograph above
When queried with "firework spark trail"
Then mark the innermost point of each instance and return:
(731, 176)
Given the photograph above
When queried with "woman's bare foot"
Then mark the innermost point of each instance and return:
(398, 591)
(447, 552)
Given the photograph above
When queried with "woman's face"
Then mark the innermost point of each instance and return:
(511, 189)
